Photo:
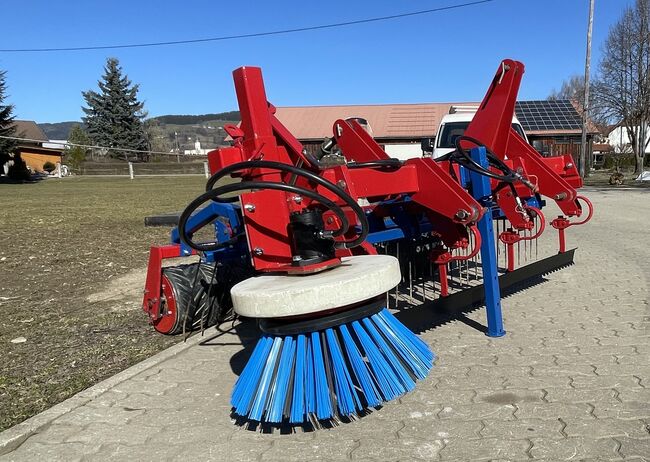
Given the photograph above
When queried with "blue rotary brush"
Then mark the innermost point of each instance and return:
(330, 364)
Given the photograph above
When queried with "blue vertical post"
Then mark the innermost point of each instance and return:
(482, 192)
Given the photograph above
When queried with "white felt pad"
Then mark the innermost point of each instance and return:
(357, 279)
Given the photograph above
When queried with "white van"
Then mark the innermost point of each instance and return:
(454, 125)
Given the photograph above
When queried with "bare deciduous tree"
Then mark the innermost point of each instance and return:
(572, 89)
(622, 89)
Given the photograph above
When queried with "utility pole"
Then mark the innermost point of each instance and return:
(585, 105)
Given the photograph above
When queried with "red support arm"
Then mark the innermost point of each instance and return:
(492, 125)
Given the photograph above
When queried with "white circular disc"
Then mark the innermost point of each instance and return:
(357, 279)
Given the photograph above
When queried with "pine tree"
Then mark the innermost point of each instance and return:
(114, 116)
(7, 127)
(75, 155)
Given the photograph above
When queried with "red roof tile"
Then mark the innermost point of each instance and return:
(386, 120)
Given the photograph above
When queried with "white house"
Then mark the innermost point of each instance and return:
(198, 150)
(620, 141)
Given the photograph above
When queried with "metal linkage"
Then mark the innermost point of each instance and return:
(481, 190)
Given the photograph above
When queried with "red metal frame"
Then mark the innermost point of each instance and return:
(561, 223)
(511, 237)
(556, 178)
(153, 286)
(433, 186)
(266, 213)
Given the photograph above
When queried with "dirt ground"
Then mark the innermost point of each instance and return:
(73, 252)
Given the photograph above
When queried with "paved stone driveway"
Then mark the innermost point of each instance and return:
(570, 380)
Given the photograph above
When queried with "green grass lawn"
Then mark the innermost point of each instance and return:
(61, 241)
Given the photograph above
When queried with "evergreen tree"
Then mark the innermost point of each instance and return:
(114, 116)
(75, 155)
(7, 127)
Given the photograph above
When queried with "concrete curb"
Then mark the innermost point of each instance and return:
(13, 437)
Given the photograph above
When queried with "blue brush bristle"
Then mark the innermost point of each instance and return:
(330, 374)
(298, 397)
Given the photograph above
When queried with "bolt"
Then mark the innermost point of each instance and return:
(462, 214)
(569, 165)
(341, 184)
(297, 199)
(249, 207)
(296, 258)
(258, 251)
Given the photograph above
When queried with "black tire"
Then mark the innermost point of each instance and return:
(203, 299)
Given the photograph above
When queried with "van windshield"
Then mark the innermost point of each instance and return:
(452, 130)
(450, 133)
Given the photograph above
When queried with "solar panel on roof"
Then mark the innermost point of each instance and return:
(548, 115)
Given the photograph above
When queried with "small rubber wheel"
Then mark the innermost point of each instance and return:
(197, 300)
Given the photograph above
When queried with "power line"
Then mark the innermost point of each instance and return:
(241, 36)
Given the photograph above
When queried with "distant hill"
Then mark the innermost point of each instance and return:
(169, 132)
(61, 130)
(58, 130)
(232, 116)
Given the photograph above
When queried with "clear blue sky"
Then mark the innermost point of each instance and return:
(446, 56)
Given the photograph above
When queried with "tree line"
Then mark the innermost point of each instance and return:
(197, 119)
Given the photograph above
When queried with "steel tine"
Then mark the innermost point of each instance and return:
(397, 286)
(410, 281)
(464, 264)
(525, 246)
(450, 274)
(497, 239)
(536, 231)
(424, 291)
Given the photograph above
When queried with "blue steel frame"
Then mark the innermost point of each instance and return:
(227, 223)
(482, 192)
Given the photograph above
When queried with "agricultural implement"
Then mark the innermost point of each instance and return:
(321, 246)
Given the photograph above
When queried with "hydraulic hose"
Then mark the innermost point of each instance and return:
(380, 163)
(215, 193)
(244, 186)
(463, 157)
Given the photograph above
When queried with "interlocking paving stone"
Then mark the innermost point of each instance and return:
(485, 449)
(601, 428)
(522, 429)
(574, 448)
(631, 447)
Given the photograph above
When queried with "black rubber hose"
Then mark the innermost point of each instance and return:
(246, 185)
(380, 163)
(467, 161)
(344, 196)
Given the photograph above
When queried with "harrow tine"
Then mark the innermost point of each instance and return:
(498, 231)
(525, 246)
(397, 286)
(424, 291)
(410, 280)
(536, 231)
